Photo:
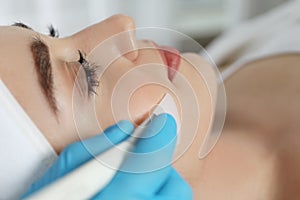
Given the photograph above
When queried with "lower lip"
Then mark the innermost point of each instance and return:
(171, 58)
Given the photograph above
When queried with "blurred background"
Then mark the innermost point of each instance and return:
(202, 20)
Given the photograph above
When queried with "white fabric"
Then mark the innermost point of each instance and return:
(25, 153)
(274, 33)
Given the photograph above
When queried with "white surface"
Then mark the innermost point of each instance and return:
(25, 153)
(168, 105)
(277, 32)
(193, 17)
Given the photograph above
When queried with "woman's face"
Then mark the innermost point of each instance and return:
(41, 70)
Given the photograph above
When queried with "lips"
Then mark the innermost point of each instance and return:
(171, 58)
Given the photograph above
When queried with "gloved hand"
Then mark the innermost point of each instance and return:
(153, 153)
(163, 183)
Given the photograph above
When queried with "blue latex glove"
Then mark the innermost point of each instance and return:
(164, 183)
(161, 184)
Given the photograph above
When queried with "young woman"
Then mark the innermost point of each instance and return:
(41, 70)
(252, 160)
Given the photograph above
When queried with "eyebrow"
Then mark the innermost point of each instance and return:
(41, 58)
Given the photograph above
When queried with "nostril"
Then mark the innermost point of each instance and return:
(132, 46)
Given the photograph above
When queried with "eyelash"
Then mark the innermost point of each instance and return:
(53, 32)
(90, 72)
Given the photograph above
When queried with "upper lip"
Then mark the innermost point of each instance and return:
(171, 58)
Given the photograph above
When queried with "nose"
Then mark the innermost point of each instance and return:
(90, 37)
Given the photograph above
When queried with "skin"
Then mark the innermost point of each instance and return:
(257, 156)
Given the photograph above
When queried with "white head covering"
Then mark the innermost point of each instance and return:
(24, 151)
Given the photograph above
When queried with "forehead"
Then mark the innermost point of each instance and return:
(13, 40)
(7, 32)
(17, 71)
(15, 56)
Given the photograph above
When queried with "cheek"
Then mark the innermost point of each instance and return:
(143, 100)
(136, 108)
(120, 97)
